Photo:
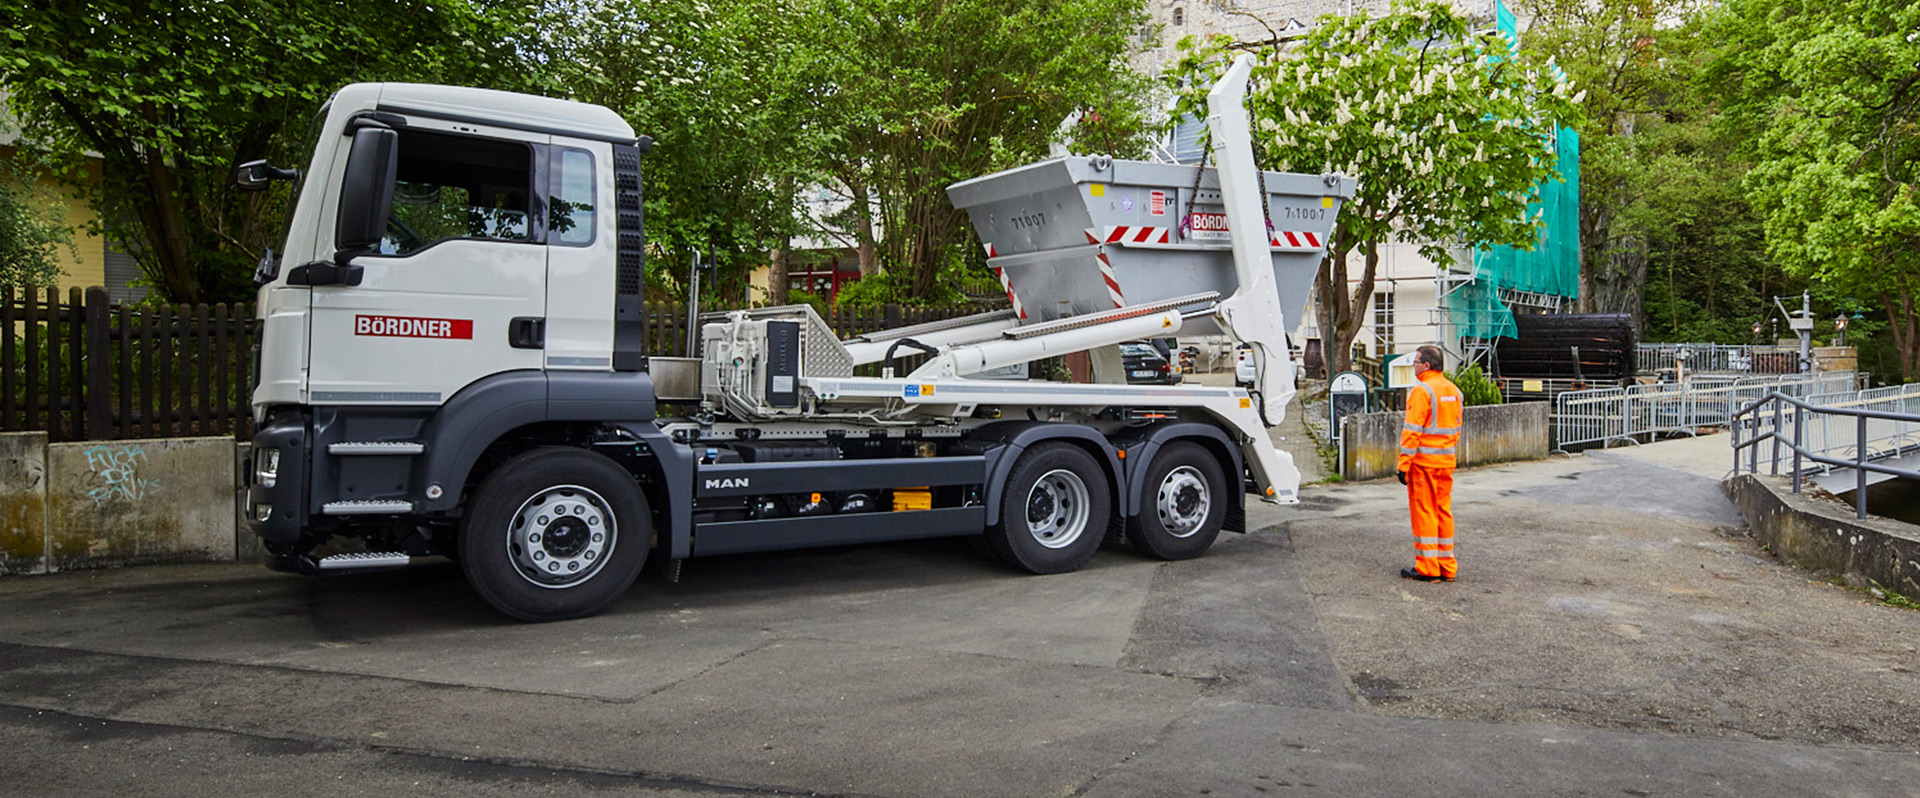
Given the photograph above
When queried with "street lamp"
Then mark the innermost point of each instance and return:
(1840, 329)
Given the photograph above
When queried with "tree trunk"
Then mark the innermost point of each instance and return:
(1613, 268)
(926, 243)
(863, 228)
(777, 274)
(1905, 327)
(1347, 326)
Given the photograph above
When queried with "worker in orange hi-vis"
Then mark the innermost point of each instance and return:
(1434, 416)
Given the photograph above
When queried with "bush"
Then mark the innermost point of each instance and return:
(887, 287)
(818, 302)
(1477, 387)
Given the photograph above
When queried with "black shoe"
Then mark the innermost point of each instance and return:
(1409, 573)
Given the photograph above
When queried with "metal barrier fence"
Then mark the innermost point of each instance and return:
(1835, 435)
(1604, 416)
(1853, 431)
(1722, 358)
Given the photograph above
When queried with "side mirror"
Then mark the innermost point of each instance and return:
(366, 194)
(257, 175)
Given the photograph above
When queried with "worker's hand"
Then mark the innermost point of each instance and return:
(1402, 475)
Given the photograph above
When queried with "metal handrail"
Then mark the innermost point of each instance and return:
(1859, 463)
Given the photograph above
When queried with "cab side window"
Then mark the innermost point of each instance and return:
(572, 197)
(454, 187)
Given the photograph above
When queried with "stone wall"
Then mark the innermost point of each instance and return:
(23, 503)
(101, 504)
(1823, 535)
(1370, 442)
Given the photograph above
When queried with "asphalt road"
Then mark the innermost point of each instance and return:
(1612, 634)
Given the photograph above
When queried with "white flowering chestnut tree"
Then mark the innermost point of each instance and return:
(1447, 129)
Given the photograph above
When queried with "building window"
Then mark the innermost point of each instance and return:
(1179, 16)
(1383, 323)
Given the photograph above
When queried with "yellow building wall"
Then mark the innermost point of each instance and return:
(85, 264)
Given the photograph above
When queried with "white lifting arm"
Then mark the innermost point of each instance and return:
(1252, 314)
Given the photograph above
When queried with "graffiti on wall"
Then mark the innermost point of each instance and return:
(116, 469)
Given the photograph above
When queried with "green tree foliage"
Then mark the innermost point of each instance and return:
(1827, 96)
(722, 90)
(915, 96)
(1446, 130)
(884, 102)
(32, 232)
(1666, 232)
(173, 95)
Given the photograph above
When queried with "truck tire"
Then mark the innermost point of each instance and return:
(1183, 504)
(1054, 510)
(555, 533)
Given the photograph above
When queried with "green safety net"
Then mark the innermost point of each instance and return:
(1551, 267)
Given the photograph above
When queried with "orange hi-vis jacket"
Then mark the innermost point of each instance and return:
(1434, 416)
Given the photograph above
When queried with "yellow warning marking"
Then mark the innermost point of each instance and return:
(1165, 323)
(926, 390)
(1245, 403)
(1097, 189)
(1326, 202)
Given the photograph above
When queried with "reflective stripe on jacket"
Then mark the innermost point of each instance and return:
(1435, 411)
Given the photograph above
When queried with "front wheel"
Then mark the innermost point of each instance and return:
(1053, 511)
(1183, 504)
(555, 533)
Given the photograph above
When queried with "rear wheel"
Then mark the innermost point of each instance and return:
(1183, 504)
(555, 533)
(1053, 511)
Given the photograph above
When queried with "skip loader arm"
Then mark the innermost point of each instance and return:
(1252, 315)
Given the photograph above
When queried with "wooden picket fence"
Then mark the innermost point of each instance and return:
(87, 369)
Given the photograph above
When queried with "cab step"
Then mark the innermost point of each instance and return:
(367, 507)
(376, 447)
(363, 561)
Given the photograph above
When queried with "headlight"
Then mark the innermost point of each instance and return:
(266, 467)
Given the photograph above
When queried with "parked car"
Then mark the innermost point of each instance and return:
(1145, 364)
(1243, 371)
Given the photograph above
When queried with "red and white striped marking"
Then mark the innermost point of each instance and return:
(1005, 283)
(1130, 234)
(1011, 296)
(1113, 285)
(1289, 239)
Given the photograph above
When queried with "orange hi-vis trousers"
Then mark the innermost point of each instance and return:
(1430, 502)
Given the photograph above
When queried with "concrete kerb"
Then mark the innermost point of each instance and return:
(1824, 536)
(102, 504)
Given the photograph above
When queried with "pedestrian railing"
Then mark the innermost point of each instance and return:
(1854, 430)
(1605, 416)
(1716, 358)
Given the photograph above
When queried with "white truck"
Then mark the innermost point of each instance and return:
(453, 364)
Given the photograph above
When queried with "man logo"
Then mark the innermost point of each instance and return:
(736, 482)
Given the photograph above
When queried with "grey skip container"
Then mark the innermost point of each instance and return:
(1083, 234)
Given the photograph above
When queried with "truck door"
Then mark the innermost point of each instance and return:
(581, 251)
(458, 288)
